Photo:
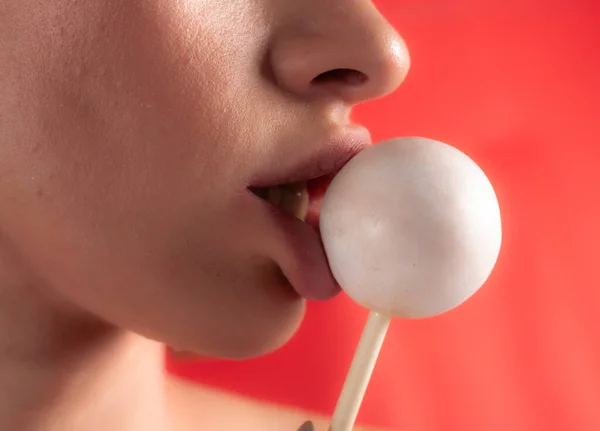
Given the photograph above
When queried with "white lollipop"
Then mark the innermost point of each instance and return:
(411, 228)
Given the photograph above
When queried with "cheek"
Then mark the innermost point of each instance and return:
(141, 120)
(114, 180)
(123, 126)
(121, 140)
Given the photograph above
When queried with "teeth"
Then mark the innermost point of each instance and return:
(292, 198)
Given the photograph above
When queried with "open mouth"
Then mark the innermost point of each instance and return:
(292, 192)
(300, 199)
(292, 198)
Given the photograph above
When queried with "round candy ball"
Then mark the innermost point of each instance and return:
(411, 227)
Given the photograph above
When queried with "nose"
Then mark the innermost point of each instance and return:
(349, 51)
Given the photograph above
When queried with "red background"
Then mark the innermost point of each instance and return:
(516, 85)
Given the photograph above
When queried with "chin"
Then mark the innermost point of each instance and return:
(253, 339)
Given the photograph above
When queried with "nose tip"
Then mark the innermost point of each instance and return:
(356, 57)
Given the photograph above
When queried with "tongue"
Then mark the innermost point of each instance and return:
(316, 191)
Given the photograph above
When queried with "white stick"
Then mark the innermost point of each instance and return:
(360, 372)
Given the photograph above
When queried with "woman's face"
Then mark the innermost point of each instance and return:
(131, 134)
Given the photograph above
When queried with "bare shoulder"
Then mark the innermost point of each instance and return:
(200, 407)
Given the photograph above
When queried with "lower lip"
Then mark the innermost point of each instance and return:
(302, 258)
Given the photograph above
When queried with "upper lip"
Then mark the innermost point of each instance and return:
(338, 147)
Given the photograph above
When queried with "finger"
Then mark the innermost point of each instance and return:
(307, 426)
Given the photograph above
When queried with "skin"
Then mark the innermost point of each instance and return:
(129, 130)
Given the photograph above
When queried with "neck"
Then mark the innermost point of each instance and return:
(64, 370)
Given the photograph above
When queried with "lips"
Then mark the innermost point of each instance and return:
(283, 193)
(327, 159)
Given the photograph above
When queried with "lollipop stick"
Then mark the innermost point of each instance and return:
(360, 371)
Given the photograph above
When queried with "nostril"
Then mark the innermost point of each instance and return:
(341, 76)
